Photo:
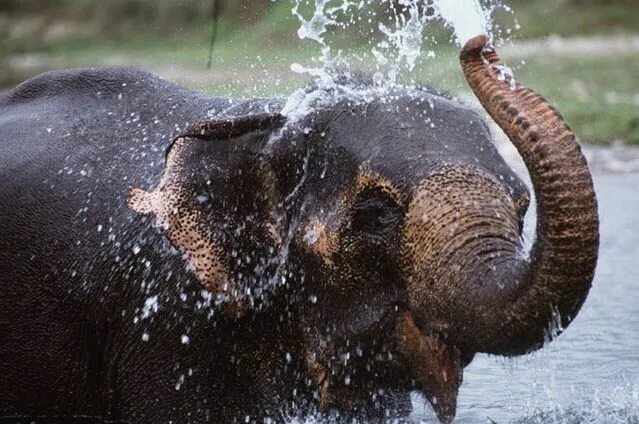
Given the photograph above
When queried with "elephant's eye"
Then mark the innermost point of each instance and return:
(376, 214)
(203, 199)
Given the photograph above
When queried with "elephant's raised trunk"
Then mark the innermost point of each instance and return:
(558, 275)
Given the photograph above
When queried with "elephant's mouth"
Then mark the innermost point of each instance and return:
(378, 384)
(435, 366)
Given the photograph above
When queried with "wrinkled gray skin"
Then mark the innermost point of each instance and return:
(95, 298)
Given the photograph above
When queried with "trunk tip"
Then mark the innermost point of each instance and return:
(475, 46)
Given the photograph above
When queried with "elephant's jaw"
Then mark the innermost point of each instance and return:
(436, 366)
(432, 367)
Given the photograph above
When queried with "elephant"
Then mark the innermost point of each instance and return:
(170, 257)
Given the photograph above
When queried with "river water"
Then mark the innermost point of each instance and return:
(590, 374)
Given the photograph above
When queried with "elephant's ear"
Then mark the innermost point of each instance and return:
(214, 203)
(235, 127)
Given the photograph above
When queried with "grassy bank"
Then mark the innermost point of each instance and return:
(596, 91)
(598, 95)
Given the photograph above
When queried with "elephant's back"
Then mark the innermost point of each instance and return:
(72, 144)
(95, 121)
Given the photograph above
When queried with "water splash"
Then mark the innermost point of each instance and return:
(394, 38)
(394, 46)
(616, 404)
(467, 18)
(394, 32)
(403, 41)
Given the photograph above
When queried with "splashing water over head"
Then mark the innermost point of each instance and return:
(467, 18)
(402, 43)
(398, 33)
(393, 38)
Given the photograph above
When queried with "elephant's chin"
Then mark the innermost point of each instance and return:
(435, 366)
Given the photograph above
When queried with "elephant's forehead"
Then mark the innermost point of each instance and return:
(416, 135)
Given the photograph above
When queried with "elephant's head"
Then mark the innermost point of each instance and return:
(392, 228)
(431, 240)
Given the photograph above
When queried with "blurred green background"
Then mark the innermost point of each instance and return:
(581, 54)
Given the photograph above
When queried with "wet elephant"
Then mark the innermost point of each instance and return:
(172, 257)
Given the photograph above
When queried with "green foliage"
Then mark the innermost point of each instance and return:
(573, 17)
(598, 96)
(257, 42)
